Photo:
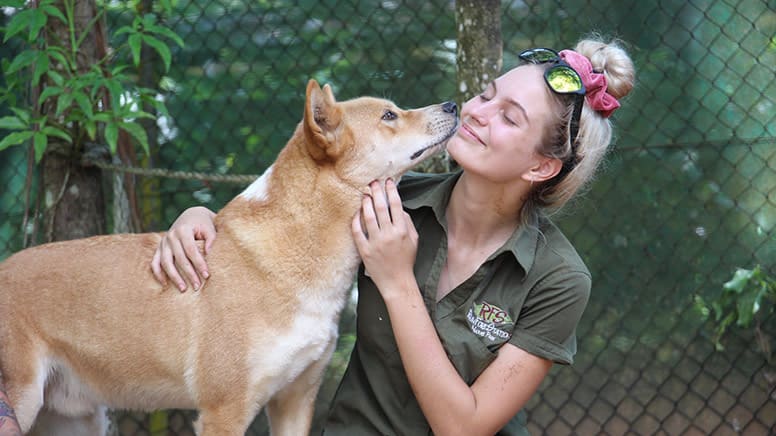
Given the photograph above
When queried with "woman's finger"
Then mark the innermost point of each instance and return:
(172, 262)
(195, 258)
(358, 231)
(394, 201)
(382, 210)
(368, 215)
(156, 268)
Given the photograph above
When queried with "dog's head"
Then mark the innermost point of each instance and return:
(368, 139)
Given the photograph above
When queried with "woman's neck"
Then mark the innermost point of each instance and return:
(481, 213)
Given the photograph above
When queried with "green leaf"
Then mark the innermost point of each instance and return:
(135, 43)
(23, 114)
(41, 67)
(54, 12)
(18, 4)
(91, 129)
(23, 59)
(48, 92)
(138, 114)
(15, 138)
(12, 123)
(18, 23)
(137, 131)
(161, 48)
(159, 106)
(84, 103)
(118, 70)
(739, 280)
(59, 133)
(103, 117)
(124, 29)
(163, 31)
(64, 102)
(55, 77)
(112, 136)
(39, 141)
(37, 21)
(115, 89)
(58, 55)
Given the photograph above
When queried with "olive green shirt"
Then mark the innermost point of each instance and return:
(531, 293)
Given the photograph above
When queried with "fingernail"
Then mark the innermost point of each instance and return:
(196, 286)
(205, 274)
(182, 287)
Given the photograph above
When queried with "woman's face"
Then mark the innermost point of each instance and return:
(502, 127)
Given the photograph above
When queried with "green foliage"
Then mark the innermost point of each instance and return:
(76, 102)
(748, 296)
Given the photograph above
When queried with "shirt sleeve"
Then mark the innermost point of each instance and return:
(546, 326)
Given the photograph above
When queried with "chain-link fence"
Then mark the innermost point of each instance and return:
(688, 193)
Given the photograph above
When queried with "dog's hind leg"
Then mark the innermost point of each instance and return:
(24, 379)
(290, 411)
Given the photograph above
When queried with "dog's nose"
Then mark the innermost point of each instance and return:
(450, 107)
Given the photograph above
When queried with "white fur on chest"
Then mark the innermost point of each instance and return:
(294, 346)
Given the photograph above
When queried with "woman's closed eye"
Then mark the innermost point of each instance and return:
(509, 120)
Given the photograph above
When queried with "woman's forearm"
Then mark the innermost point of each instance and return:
(446, 400)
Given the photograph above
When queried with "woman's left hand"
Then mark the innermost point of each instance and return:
(386, 239)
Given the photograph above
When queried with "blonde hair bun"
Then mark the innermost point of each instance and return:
(611, 59)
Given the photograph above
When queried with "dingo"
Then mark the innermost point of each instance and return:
(84, 326)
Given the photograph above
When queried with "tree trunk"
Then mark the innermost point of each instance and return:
(478, 58)
(73, 200)
(479, 53)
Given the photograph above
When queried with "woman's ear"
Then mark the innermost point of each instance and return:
(545, 169)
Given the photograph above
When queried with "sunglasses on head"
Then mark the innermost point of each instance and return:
(562, 79)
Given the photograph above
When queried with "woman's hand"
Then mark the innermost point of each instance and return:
(178, 251)
(387, 239)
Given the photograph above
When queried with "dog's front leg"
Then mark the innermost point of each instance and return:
(290, 411)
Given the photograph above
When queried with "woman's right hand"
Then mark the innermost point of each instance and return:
(178, 252)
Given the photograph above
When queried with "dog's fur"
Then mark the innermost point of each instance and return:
(84, 326)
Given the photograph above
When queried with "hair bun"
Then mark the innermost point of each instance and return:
(611, 59)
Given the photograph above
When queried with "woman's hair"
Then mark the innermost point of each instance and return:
(595, 131)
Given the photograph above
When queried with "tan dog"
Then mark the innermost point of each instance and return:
(84, 325)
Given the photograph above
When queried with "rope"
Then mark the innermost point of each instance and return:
(237, 179)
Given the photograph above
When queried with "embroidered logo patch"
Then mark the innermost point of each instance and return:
(490, 322)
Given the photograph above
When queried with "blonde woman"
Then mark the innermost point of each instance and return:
(468, 293)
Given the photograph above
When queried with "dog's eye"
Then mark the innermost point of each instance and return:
(389, 116)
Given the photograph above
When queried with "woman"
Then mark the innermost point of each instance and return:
(468, 297)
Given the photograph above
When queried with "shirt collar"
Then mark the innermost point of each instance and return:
(523, 242)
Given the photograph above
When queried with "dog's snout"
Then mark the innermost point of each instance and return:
(450, 107)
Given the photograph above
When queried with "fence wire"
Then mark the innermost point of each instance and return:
(688, 193)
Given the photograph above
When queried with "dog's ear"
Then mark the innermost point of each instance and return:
(322, 120)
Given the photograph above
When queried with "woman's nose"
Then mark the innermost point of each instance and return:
(479, 112)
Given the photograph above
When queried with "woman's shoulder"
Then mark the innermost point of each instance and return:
(414, 184)
(558, 261)
(552, 242)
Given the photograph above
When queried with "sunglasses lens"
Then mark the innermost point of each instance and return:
(539, 55)
(564, 80)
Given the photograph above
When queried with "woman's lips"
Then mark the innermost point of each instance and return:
(466, 130)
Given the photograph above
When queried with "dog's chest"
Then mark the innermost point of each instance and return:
(303, 337)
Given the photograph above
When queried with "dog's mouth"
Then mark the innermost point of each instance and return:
(439, 143)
